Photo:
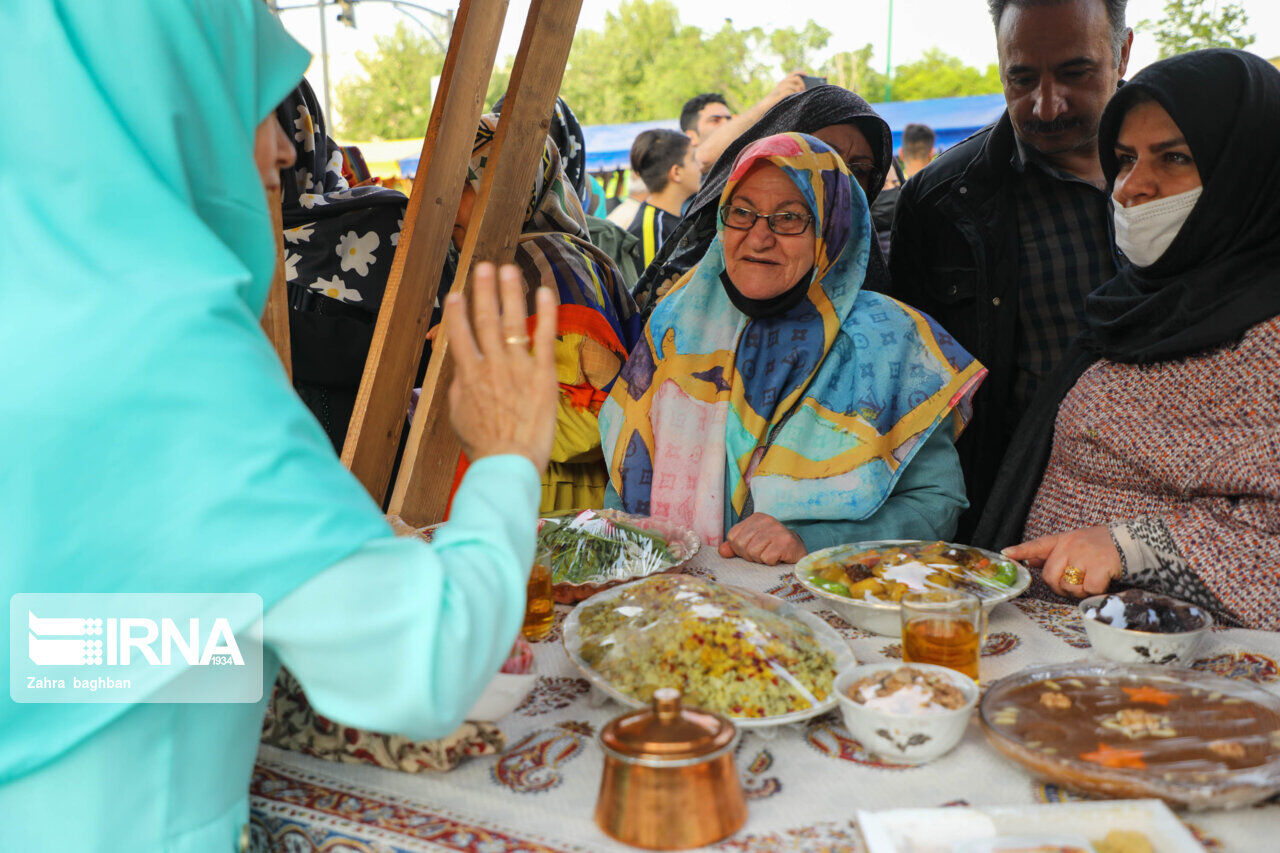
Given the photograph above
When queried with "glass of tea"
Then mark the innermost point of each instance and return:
(943, 627)
(539, 608)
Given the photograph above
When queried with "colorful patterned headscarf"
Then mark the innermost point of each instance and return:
(553, 203)
(813, 413)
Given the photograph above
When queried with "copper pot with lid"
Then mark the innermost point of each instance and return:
(669, 779)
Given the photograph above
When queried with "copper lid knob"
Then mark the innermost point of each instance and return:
(667, 731)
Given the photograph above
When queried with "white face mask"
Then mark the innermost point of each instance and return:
(1144, 231)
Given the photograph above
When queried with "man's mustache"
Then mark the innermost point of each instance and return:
(1034, 126)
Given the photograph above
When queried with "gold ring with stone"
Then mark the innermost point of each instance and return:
(1073, 575)
(518, 340)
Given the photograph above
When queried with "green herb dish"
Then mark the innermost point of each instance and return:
(591, 550)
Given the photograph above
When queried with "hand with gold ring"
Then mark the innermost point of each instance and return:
(504, 397)
(1077, 563)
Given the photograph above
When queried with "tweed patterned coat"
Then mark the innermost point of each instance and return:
(1192, 443)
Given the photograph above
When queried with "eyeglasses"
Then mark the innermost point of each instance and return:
(786, 223)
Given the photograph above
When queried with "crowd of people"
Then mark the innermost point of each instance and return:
(1069, 348)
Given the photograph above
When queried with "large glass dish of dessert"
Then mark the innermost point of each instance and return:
(1191, 739)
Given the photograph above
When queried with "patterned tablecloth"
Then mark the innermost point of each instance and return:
(803, 782)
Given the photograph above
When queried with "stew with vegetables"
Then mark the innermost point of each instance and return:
(888, 573)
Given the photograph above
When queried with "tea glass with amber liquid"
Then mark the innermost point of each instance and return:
(539, 608)
(943, 627)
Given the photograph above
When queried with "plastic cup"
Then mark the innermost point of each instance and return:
(539, 608)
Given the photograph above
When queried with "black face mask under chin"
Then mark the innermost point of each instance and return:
(774, 306)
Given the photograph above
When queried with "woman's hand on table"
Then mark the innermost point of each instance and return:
(503, 397)
(1090, 549)
(762, 538)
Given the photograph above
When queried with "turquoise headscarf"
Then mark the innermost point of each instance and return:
(149, 439)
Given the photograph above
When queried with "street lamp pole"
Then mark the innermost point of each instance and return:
(398, 5)
(888, 57)
(324, 55)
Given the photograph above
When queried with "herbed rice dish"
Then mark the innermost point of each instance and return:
(718, 647)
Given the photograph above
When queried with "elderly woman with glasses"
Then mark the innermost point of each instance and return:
(775, 405)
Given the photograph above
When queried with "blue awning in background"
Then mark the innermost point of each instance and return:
(609, 145)
(408, 167)
(952, 119)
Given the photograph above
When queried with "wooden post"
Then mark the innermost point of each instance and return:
(373, 436)
(421, 491)
(275, 317)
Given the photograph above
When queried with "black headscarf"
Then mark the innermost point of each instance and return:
(339, 243)
(1219, 277)
(321, 212)
(803, 112)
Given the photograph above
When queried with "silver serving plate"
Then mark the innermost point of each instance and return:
(823, 633)
(883, 617)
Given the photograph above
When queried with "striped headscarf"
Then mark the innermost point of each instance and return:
(597, 311)
(570, 141)
(809, 415)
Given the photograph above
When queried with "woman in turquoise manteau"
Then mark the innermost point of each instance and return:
(152, 442)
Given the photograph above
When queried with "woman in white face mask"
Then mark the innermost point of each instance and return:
(1157, 184)
(1152, 458)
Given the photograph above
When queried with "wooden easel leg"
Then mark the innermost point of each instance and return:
(275, 317)
(390, 370)
(421, 491)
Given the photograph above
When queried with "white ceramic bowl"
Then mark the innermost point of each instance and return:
(502, 696)
(883, 617)
(905, 738)
(1126, 645)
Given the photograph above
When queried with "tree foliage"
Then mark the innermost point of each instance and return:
(937, 75)
(852, 69)
(1188, 25)
(934, 75)
(392, 98)
(644, 64)
(796, 49)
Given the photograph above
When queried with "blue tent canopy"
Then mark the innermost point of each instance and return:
(952, 119)
(609, 145)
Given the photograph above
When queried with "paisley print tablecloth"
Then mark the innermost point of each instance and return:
(803, 782)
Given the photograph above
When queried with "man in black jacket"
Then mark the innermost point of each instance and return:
(1001, 237)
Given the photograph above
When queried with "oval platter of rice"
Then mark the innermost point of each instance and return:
(757, 659)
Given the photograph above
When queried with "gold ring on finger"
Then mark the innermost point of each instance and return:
(1073, 575)
(518, 340)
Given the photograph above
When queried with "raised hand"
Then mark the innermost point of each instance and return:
(503, 398)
